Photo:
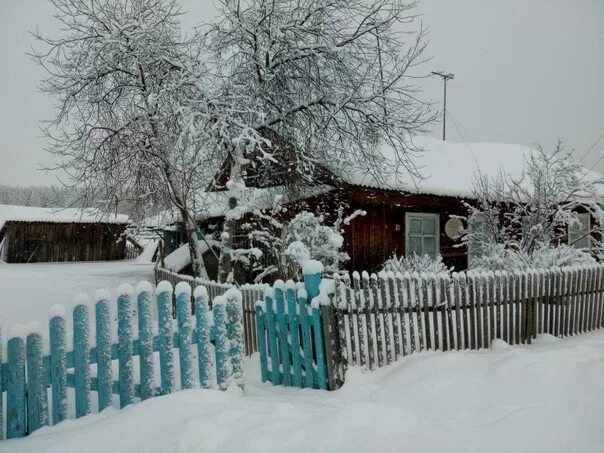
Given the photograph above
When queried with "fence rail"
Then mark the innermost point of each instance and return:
(27, 374)
(373, 320)
(250, 294)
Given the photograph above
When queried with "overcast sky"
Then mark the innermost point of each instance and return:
(526, 71)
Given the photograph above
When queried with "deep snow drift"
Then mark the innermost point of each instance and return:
(27, 291)
(548, 397)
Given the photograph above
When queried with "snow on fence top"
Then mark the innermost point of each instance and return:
(9, 213)
(447, 168)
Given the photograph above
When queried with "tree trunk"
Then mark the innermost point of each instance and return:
(225, 264)
(190, 230)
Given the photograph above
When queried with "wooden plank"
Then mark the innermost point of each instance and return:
(592, 305)
(367, 308)
(497, 302)
(185, 334)
(283, 334)
(349, 298)
(600, 289)
(378, 318)
(395, 308)
(16, 409)
(103, 351)
(518, 292)
(262, 349)
(408, 333)
(305, 327)
(145, 340)
(271, 324)
(386, 306)
(166, 339)
(457, 301)
(426, 298)
(37, 395)
(492, 306)
(294, 323)
(417, 301)
(125, 344)
(447, 310)
(202, 338)
(474, 322)
(572, 296)
(81, 355)
(360, 318)
(506, 299)
(58, 369)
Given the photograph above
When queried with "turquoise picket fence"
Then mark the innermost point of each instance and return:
(290, 334)
(27, 374)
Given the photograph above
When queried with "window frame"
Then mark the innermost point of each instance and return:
(587, 234)
(422, 216)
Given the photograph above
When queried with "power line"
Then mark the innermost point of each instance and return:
(592, 147)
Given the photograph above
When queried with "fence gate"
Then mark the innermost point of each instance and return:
(290, 334)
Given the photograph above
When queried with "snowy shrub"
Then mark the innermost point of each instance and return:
(306, 237)
(415, 263)
(544, 256)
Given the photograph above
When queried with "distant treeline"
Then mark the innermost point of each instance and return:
(41, 196)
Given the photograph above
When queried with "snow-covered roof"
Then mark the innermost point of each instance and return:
(216, 204)
(10, 213)
(447, 168)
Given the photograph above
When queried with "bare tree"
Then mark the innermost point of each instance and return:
(316, 83)
(535, 209)
(131, 115)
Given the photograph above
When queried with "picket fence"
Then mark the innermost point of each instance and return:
(373, 320)
(250, 294)
(290, 335)
(27, 374)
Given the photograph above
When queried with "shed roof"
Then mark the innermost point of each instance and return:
(10, 213)
(447, 168)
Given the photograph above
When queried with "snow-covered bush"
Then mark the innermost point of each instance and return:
(286, 245)
(307, 238)
(544, 256)
(415, 263)
(514, 221)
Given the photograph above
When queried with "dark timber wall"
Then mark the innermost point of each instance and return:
(52, 242)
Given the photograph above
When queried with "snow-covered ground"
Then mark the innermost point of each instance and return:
(548, 397)
(27, 291)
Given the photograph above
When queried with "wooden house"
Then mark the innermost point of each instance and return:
(31, 234)
(403, 215)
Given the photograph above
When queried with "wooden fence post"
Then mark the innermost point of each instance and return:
(125, 344)
(37, 400)
(234, 311)
(145, 340)
(81, 355)
(166, 341)
(58, 369)
(103, 349)
(333, 351)
(183, 314)
(294, 323)
(204, 360)
(220, 341)
(16, 419)
(260, 327)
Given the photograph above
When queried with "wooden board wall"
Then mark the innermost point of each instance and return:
(55, 242)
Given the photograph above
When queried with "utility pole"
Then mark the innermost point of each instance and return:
(446, 78)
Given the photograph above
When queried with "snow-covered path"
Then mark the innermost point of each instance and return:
(28, 290)
(548, 397)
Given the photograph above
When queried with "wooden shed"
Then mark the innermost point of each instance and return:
(31, 234)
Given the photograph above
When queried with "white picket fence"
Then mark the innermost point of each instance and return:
(374, 319)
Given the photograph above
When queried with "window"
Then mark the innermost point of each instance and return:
(478, 236)
(422, 234)
(579, 233)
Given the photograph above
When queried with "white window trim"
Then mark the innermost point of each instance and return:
(421, 215)
(588, 236)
